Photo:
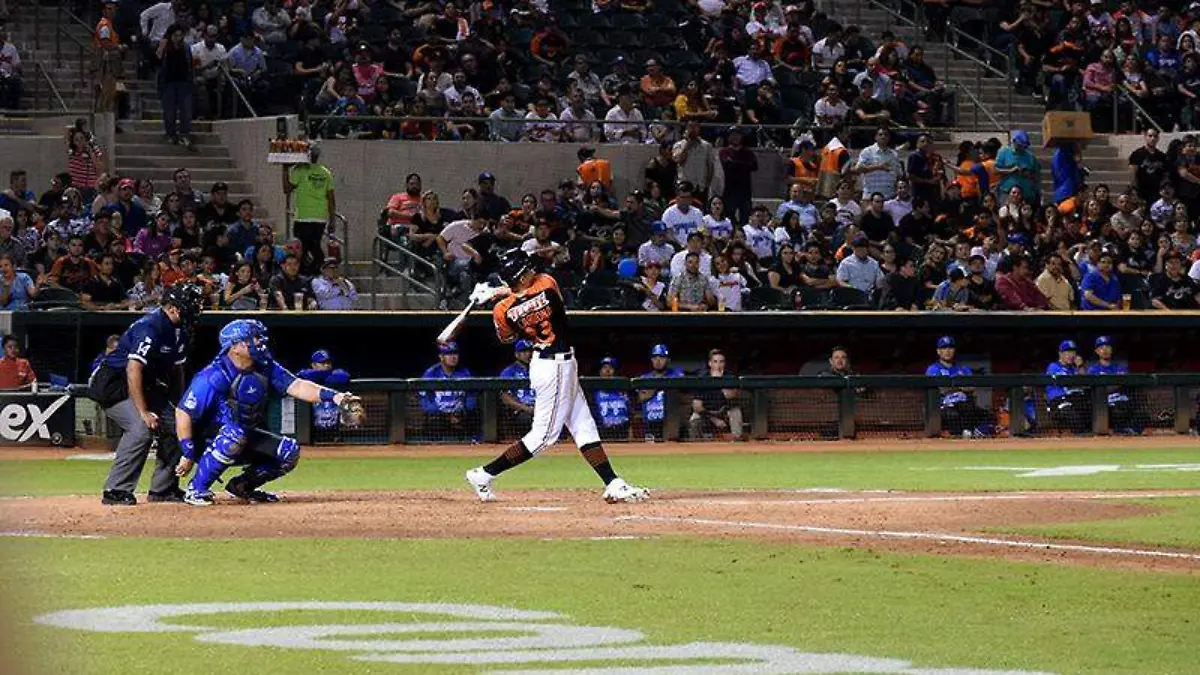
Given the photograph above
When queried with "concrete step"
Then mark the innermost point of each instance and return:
(160, 148)
(141, 161)
(198, 126)
(201, 138)
(396, 301)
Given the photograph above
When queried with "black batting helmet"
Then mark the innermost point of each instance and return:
(514, 264)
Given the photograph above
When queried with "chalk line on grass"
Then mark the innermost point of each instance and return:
(49, 535)
(916, 535)
(1014, 496)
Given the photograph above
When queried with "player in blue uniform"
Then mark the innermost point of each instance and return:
(1069, 407)
(518, 403)
(654, 403)
(612, 407)
(134, 383)
(225, 408)
(448, 412)
(960, 413)
(1124, 416)
(322, 372)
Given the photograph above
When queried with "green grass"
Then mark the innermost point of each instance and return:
(927, 470)
(938, 612)
(1176, 525)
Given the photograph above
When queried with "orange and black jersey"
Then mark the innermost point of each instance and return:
(536, 313)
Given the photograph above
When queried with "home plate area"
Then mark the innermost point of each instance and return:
(944, 523)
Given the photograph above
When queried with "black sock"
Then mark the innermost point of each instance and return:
(514, 455)
(598, 459)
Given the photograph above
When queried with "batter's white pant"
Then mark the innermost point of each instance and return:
(559, 402)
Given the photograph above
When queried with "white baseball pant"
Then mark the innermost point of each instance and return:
(559, 402)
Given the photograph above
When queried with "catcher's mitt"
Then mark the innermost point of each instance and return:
(351, 411)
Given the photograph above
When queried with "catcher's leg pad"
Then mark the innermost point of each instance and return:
(222, 453)
(276, 460)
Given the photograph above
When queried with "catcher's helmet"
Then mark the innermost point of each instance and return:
(250, 331)
(513, 265)
(188, 299)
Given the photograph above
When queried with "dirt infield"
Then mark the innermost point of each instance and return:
(941, 523)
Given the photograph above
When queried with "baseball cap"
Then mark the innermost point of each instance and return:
(486, 175)
(320, 356)
(1104, 340)
(660, 350)
(126, 183)
(212, 30)
(945, 341)
(658, 226)
(1018, 238)
(448, 348)
(976, 257)
(219, 186)
(523, 346)
(609, 361)
(1068, 346)
(1020, 138)
(619, 59)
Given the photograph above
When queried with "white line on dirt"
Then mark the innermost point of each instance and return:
(537, 509)
(49, 535)
(927, 536)
(1019, 496)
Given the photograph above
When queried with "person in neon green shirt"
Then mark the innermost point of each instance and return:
(313, 204)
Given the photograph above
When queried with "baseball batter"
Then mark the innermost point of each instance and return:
(531, 307)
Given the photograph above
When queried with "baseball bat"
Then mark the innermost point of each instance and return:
(455, 325)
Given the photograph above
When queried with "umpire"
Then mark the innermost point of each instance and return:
(133, 384)
(1069, 407)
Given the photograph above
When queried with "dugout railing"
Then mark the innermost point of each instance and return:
(777, 407)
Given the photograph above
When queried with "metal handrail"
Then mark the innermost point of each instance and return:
(996, 124)
(50, 82)
(224, 69)
(60, 32)
(1139, 111)
(343, 241)
(384, 245)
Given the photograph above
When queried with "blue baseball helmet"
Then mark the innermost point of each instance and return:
(523, 346)
(660, 350)
(321, 356)
(945, 341)
(250, 331)
(610, 361)
(1068, 346)
(1104, 340)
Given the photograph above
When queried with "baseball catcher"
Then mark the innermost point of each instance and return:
(531, 307)
(226, 407)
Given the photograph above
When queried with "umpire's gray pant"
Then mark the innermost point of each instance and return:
(134, 446)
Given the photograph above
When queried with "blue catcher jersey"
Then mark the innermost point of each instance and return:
(1113, 368)
(519, 371)
(325, 413)
(223, 395)
(612, 407)
(152, 341)
(446, 401)
(939, 369)
(1055, 392)
(654, 408)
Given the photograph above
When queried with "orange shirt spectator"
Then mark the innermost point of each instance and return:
(404, 205)
(15, 372)
(658, 89)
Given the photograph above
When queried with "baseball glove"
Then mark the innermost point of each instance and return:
(351, 411)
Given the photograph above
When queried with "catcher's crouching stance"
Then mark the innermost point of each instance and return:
(226, 404)
(531, 307)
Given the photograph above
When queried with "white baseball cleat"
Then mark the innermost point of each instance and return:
(619, 491)
(481, 481)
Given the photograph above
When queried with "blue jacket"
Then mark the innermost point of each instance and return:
(1055, 392)
(519, 371)
(1113, 368)
(612, 407)
(654, 408)
(1108, 291)
(325, 413)
(938, 369)
(446, 401)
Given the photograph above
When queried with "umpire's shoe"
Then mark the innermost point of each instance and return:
(240, 487)
(118, 498)
(173, 496)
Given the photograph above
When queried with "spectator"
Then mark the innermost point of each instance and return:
(656, 250)
(220, 210)
(752, 69)
(402, 206)
(880, 166)
(960, 413)
(624, 122)
(577, 118)
(785, 276)
(207, 57)
(272, 22)
(585, 81)
(738, 165)
(104, 291)
(814, 271)
(85, 162)
(248, 66)
(728, 285)
(11, 246)
(715, 410)
(447, 411)
(652, 292)
(981, 289)
(1172, 289)
(658, 89)
(1016, 289)
(716, 225)
(860, 270)
(155, 239)
(876, 223)
(491, 204)
(289, 290)
(176, 87)
(16, 287)
(552, 253)
(952, 293)
(828, 50)
(848, 210)
(18, 196)
(1148, 167)
(759, 237)
(458, 253)
(831, 111)
(148, 291)
(506, 123)
(902, 288)
(698, 164)
(1019, 168)
(923, 82)
(654, 403)
(72, 271)
(333, 291)
(1069, 406)
(11, 84)
(181, 184)
(314, 204)
(612, 407)
(518, 403)
(15, 372)
(682, 218)
(541, 125)
(689, 292)
(799, 202)
(242, 291)
(1101, 289)
(124, 268)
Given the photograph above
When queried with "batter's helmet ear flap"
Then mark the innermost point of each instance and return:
(514, 263)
